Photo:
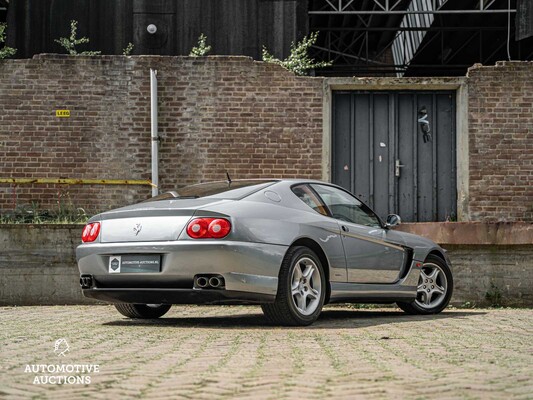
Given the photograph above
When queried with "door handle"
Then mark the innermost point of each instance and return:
(397, 167)
(345, 228)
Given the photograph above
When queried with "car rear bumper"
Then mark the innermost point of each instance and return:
(177, 296)
(248, 269)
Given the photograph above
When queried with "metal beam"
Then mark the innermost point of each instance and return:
(72, 181)
(390, 7)
(417, 28)
(346, 55)
(392, 12)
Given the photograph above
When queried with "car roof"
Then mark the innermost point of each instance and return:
(277, 180)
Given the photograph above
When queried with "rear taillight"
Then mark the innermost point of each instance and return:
(208, 228)
(90, 232)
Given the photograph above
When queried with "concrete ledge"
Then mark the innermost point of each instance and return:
(492, 264)
(492, 275)
(388, 83)
(38, 264)
(473, 233)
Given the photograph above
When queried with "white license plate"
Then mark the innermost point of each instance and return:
(127, 263)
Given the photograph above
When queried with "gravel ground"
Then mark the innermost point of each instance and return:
(231, 352)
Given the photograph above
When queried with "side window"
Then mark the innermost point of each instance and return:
(345, 207)
(304, 193)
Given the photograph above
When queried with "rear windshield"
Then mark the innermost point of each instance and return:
(224, 190)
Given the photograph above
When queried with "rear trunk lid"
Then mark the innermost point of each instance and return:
(146, 222)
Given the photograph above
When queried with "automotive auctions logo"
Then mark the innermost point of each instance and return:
(61, 374)
(61, 347)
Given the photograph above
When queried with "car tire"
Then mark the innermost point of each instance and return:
(443, 280)
(142, 311)
(301, 289)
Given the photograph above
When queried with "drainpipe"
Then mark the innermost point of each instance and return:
(155, 136)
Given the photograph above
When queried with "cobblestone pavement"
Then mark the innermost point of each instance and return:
(231, 352)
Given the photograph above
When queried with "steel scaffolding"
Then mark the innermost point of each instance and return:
(417, 37)
(390, 7)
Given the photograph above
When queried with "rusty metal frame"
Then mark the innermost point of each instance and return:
(73, 181)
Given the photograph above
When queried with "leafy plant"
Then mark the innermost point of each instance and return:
(127, 51)
(298, 61)
(201, 48)
(451, 217)
(70, 43)
(5, 51)
(32, 214)
(65, 213)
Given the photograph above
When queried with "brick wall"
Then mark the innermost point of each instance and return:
(216, 114)
(222, 113)
(501, 141)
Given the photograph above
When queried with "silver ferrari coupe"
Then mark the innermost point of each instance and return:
(289, 245)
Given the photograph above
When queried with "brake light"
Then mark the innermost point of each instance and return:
(90, 232)
(208, 228)
(197, 228)
(219, 228)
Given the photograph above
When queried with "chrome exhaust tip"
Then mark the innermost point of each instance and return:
(201, 282)
(215, 282)
(86, 281)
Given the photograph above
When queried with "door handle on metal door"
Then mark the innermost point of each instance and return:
(345, 228)
(397, 167)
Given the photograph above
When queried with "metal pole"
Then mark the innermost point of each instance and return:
(155, 136)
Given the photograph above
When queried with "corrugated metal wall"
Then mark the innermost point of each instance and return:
(233, 27)
(385, 154)
(524, 19)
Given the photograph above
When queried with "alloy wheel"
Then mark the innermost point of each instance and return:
(306, 286)
(432, 286)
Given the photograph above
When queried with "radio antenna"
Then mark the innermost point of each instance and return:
(228, 178)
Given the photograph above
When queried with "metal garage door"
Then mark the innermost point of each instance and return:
(396, 151)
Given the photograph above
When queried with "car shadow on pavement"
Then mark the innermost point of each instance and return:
(329, 319)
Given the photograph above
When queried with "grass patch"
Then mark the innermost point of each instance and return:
(32, 214)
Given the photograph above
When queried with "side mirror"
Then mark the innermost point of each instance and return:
(393, 220)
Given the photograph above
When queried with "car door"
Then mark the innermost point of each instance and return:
(370, 258)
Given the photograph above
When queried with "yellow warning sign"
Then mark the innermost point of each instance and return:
(63, 113)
